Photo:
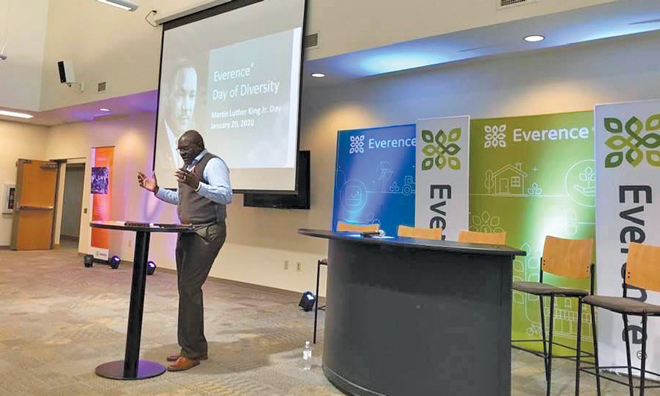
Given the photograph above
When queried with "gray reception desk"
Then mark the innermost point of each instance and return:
(411, 317)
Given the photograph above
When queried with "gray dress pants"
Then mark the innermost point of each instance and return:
(195, 253)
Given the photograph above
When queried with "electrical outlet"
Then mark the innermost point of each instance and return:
(298, 267)
(286, 264)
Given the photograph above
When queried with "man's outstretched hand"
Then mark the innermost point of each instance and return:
(186, 177)
(149, 184)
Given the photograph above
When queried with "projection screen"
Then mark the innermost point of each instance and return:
(233, 73)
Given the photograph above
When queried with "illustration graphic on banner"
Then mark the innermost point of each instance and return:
(628, 178)
(100, 178)
(531, 177)
(375, 177)
(442, 174)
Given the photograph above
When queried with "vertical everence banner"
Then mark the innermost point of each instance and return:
(532, 177)
(627, 141)
(101, 189)
(375, 177)
(442, 174)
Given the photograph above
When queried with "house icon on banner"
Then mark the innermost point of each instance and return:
(509, 180)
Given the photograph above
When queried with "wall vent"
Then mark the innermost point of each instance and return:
(311, 41)
(511, 3)
(101, 87)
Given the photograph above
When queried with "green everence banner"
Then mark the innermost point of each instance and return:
(531, 177)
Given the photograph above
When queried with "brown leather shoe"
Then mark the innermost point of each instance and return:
(173, 358)
(182, 364)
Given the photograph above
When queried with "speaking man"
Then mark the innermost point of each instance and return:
(203, 193)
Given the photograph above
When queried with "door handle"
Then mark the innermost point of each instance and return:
(24, 207)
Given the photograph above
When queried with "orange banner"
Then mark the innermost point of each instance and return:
(101, 180)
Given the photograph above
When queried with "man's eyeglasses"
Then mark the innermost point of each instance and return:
(184, 149)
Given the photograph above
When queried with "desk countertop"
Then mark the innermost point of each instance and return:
(422, 244)
(146, 227)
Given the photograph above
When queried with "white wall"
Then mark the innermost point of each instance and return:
(17, 141)
(105, 44)
(21, 73)
(132, 137)
(120, 48)
(347, 25)
(571, 78)
(259, 240)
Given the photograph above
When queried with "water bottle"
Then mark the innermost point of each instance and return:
(307, 356)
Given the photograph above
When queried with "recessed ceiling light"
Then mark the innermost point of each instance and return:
(105, 110)
(15, 114)
(534, 38)
(318, 75)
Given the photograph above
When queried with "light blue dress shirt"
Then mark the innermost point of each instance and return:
(218, 188)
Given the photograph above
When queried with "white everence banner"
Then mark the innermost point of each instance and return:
(442, 174)
(627, 210)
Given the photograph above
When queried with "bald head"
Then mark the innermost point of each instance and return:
(193, 137)
(191, 144)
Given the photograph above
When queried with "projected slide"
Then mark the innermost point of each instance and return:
(248, 101)
(235, 78)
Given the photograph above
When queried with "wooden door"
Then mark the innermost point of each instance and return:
(34, 211)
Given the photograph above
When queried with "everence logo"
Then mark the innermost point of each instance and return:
(357, 145)
(495, 136)
(441, 149)
(632, 141)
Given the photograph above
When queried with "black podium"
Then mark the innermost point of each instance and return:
(415, 317)
(132, 368)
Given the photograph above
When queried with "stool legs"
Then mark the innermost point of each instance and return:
(545, 350)
(627, 339)
(552, 317)
(595, 344)
(579, 349)
(643, 373)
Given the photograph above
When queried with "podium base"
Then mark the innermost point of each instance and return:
(115, 370)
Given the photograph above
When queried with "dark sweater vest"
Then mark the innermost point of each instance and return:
(194, 208)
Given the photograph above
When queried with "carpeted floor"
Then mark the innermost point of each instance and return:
(59, 320)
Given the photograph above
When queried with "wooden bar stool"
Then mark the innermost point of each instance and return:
(641, 270)
(420, 233)
(487, 238)
(569, 259)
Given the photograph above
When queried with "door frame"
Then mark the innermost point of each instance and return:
(17, 200)
(59, 194)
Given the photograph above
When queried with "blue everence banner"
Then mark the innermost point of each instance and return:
(375, 177)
